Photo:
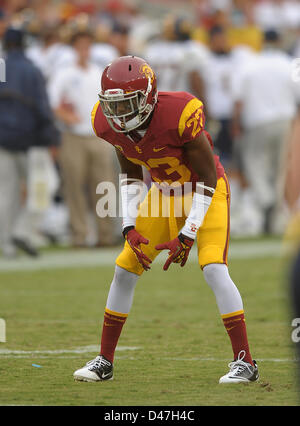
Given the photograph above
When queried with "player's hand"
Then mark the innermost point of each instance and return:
(135, 239)
(179, 250)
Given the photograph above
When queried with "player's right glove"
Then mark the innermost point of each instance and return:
(179, 250)
(135, 239)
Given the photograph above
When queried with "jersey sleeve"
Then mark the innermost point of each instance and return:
(93, 117)
(191, 121)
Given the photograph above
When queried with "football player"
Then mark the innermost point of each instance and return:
(164, 132)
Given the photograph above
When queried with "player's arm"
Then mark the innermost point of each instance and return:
(131, 190)
(200, 156)
(132, 170)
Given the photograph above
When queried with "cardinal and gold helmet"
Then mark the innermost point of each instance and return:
(129, 93)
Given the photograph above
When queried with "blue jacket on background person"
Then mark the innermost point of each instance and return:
(26, 118)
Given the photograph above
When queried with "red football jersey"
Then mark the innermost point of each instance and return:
(178, 118)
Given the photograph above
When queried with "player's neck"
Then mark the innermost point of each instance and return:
(138, 134)
(145, 125)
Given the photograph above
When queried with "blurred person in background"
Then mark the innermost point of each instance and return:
(265, 104)
(102, 51)
(178, 60)
(26, 121)
(53, 49)
(219, 70)
(142, 28)
(223, 63)
(84, 160)
(236, 17)
(50, 54)
(243, 29)
(210, 13)
(119, 38)
(282, 15)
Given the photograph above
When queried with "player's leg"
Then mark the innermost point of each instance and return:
(121, 292)
(213, 239)
(118, 306)
(128, 269)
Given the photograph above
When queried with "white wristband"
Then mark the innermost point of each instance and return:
(196, 216)
(131, 197)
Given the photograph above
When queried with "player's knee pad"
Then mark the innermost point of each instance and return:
(227, 295)
(124, 277)
(121, 291)
(216, 274)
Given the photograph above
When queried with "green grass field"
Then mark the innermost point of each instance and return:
(173, 348)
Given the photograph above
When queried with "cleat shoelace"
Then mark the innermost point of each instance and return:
(98, 362)
(238, 366)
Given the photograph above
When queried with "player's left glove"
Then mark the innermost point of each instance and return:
(179, 250)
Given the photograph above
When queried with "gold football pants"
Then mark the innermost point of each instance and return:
(161, 218)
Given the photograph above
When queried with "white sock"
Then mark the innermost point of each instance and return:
(120, 296)
(227, 295)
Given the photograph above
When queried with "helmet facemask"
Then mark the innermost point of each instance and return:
(126, 111)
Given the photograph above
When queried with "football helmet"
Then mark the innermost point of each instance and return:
(129, 93)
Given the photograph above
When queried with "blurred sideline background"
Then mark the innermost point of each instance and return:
(235, 55)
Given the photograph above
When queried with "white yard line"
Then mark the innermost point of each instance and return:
(106, 257)
(80, 350)
(69, 353)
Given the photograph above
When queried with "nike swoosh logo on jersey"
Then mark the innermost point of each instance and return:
(158, 149)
